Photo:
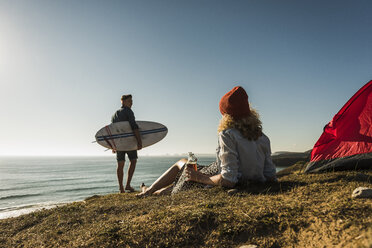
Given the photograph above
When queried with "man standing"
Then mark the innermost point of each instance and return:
(125, 113)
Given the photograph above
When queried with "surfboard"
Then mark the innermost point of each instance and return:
(120, 136)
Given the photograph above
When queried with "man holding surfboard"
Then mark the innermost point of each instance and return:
(125, 113)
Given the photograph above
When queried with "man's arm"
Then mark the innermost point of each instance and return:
(138, 137)
(135, 128)
(113, 120)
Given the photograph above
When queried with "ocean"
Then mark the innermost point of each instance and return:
(31, 183)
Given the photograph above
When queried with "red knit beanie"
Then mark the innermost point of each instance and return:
(235, 103)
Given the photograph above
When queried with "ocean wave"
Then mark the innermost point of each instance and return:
(24, 206)
(18, 196)
(58, 182)
(25, 209)
(82, 189)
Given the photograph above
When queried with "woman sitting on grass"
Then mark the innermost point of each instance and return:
(243, 153)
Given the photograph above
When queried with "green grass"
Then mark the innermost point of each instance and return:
(302, 210)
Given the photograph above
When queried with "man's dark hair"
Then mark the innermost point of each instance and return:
(125, 97)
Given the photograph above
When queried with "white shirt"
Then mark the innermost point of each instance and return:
(241, 159)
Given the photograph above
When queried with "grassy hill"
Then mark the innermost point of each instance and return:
(301, 210)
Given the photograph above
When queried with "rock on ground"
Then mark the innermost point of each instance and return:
(362, 192)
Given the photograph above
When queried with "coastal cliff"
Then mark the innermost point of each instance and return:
(301, 210)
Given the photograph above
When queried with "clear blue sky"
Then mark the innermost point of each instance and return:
(65, 64)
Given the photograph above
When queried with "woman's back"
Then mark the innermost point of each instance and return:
(242, 159)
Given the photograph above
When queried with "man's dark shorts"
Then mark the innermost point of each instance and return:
(120, 155)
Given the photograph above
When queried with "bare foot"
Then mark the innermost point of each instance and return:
(143, 194)
(143, 187)
(129, 188)
(144, 191)
(121, 189)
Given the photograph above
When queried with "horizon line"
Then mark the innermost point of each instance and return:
(90, 155)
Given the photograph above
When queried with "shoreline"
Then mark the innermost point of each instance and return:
(28, 209)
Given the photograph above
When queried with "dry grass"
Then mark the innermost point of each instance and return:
(302, 210)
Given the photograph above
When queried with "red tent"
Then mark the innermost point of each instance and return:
(346, 143)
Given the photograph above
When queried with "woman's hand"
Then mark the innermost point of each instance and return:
(192, 175)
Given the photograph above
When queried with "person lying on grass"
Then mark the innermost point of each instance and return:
(243, 153)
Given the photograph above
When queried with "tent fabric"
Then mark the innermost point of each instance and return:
(346, 142)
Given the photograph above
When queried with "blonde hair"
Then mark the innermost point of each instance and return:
(250, 127)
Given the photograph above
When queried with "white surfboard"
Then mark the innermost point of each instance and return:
(120, 136)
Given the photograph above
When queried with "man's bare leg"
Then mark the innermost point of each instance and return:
(166, 179)
(120, 174)
(131, 168)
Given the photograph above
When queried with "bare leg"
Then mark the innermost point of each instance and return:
(120, 174)
(131, 168)
(166, 179)
(164, 191)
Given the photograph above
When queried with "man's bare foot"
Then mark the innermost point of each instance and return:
(121, 188)
(129, 188)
